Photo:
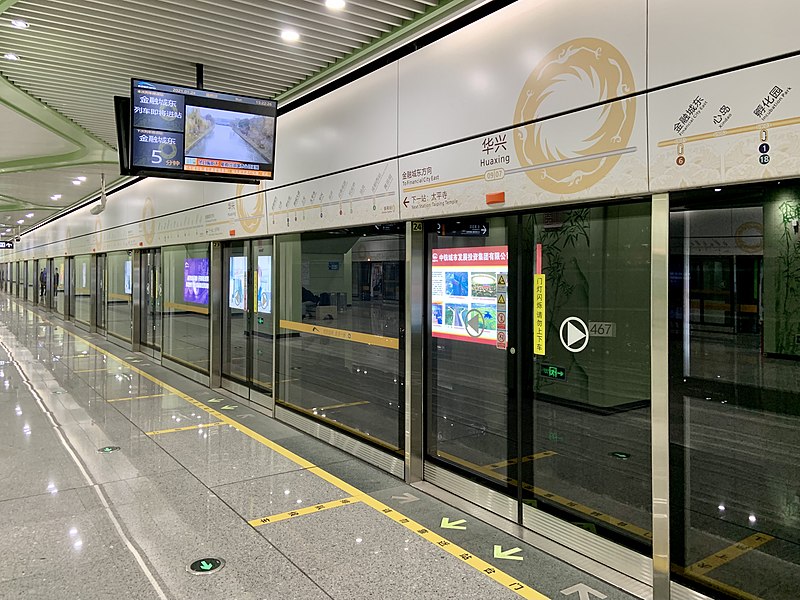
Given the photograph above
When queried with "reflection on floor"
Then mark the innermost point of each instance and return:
(118, 474)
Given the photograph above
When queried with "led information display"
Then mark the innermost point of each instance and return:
(469, 296)
(185, 130)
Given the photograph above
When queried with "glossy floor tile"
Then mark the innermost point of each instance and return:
(112, 482)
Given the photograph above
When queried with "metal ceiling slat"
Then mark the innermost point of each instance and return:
(380, 7)
(125, 68)
(380, 26)
(356, 34)
(111, 22)
(190, 44)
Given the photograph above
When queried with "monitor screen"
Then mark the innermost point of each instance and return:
(468, 290)
(178, 132)
(195, 280)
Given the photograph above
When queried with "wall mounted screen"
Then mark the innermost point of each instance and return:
(264, 284)
(237, 283)
(186, 132)
(468, 290)
(195, 280)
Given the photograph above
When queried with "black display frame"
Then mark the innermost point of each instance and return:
(138, 171)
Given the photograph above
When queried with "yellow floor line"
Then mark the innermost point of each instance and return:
(345, 405)
(731, 591)
(91, 370)
(521, 589)
(187, 428)
(308, 510)
(137, 397)
(726, 555)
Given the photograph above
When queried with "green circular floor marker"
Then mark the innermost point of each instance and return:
(204, 566)
(620, 455)
(107, 449)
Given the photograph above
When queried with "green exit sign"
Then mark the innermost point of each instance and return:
(554, 372)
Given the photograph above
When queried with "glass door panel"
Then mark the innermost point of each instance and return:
(236, 311)
(471, 412)
(151, 298)
(587, 452)
(262, 327)
(734, 400)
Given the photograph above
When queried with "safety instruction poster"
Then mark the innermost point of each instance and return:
(465, 296)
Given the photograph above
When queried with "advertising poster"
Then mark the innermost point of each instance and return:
(464, 293)
(195, 280)
(128, 277)
(237, 282)
(264, 284)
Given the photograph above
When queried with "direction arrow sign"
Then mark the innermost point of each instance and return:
(405, 498)
(205, 565)
(228, 407)
(405, 201)
(215, 400)
(506, 554)
(584, 592)
(448, 524)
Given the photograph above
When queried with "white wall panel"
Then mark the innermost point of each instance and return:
(690, 38)
(351, 126)
(745, 127)
(466, 178)
(531, 59)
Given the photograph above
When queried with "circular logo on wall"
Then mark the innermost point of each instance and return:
(148, 221)
(574, 153)
(750, 237)
(250, 209)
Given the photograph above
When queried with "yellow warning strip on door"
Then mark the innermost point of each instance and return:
(307, 510)
(726, 555)
(524, 459)
(497, 575)
(137, 397)
(343, 334)
(201, 310)
(345, 405)
(187, 428)
(566, 502)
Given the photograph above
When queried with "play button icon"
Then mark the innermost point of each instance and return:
(474, 323)
(574, 334)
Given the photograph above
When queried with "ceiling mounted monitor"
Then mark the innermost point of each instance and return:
(187, 133)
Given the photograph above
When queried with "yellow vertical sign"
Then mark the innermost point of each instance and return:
(538, 314)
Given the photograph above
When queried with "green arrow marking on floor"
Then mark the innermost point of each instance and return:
(107, 449)
(620, 455)
(506, 554)
(448, 524)
(228, 407)
(205, 565)
(215, 400)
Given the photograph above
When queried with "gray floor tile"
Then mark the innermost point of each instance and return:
(276, 494)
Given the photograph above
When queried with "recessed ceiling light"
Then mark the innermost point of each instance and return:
(11, 56)
(717, 189)
(29, 215)
(81, 178)
(55, 197)
(76, 182)
(19, 24)
(21, 221)
(335, 4)
(289, 35)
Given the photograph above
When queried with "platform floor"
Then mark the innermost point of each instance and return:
(197, 476)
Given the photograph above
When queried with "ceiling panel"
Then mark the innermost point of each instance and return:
(76, 55)
(28, 138)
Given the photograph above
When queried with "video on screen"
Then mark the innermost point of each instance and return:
(228, 135)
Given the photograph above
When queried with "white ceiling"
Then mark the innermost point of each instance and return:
(56, 102)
